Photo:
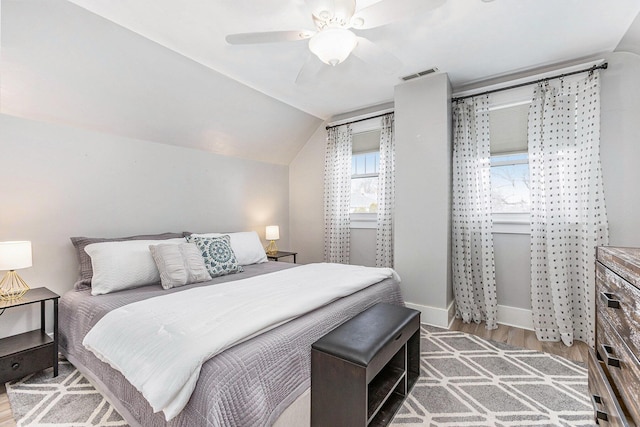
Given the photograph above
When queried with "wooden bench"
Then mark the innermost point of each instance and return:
(362, 371)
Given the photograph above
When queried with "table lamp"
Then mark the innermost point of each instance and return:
(272, 234)
(13, 256)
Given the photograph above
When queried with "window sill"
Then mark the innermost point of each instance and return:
(364, 220)
(359, 223)
(511, 227)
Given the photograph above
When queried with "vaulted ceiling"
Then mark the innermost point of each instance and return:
(160, 70)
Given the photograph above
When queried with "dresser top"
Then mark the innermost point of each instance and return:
(624, 261)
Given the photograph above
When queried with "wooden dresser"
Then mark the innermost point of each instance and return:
(614, 369)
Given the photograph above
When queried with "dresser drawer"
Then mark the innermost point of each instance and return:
(18, 365)
(605, 403)
(619, 303)
(623, 261)
(622, 367)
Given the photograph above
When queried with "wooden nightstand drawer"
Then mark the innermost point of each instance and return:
(26, 362)
(32, 351)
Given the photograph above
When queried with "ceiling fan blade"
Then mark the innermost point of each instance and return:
(388, 11)
(269, 37)
(376, 56)
(310, 70)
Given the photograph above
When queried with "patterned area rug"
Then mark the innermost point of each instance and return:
(468, 381)
(465, 381)
(68, 400)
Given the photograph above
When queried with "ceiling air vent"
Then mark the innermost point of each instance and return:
(420, 74)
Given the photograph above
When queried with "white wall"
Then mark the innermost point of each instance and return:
(423, 195)
(57, 182)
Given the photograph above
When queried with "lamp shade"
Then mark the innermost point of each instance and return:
(333, 45)
(273, 232)
(15, 255)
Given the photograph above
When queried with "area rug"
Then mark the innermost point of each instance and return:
(465, 381)
(68, 400)
(469, 381)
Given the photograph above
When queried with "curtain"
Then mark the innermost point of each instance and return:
(568, 215)
(386, 191)
(474, 283)
(337, 195)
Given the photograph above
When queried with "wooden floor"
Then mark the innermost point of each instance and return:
(506, 334)
(517, 337)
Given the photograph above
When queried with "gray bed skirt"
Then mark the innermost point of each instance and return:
(250, 384)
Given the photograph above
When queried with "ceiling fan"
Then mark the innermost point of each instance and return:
(333, 40)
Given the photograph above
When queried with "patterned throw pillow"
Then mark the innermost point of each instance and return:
(218, 255)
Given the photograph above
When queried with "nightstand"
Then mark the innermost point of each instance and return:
(32, 351)
(281, 254)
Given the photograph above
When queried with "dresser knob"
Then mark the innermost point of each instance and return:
(597, 400)
(608, 353)
(610, 300)
(15, 366)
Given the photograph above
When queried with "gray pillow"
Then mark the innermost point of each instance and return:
(218, 255)
(179, 265)
(84, 260)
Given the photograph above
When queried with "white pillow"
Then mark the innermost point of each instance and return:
(246, 245)
(179, 265)
(123, 265)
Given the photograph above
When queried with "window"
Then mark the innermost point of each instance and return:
(510, 202)
(365, 165)
(364, 182)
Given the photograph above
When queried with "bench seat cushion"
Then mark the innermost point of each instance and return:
(361, 338)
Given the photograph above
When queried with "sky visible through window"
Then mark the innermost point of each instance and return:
(510, 183)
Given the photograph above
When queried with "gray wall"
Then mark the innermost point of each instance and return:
(363, 247)
(620, 147)
(620, 151)
(423, 193)
(57, 182)
(306, 195)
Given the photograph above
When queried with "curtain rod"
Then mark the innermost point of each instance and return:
(559, 76)
(359, 120)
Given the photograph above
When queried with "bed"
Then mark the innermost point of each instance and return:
(259, 382)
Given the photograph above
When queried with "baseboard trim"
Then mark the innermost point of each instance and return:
(514, 316)
(435, 316)
(443, 318)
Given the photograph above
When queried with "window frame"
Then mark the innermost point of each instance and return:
(510, 223)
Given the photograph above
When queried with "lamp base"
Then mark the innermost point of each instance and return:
(12, 287)
(272, 249)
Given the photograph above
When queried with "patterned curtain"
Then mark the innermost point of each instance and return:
(386, 191)
(568, 216)
(474, 284)
(337, 195)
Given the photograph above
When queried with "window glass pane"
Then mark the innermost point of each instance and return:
(360, 165)
(364, 195)
(510, 188)
(353, 165)
(510, 158)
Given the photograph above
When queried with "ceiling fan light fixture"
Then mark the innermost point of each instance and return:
(332, 13)
(333, 45)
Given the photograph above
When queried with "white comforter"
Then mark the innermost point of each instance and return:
(160, 344)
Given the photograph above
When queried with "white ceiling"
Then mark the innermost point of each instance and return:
(161, 71)
(468, 39)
